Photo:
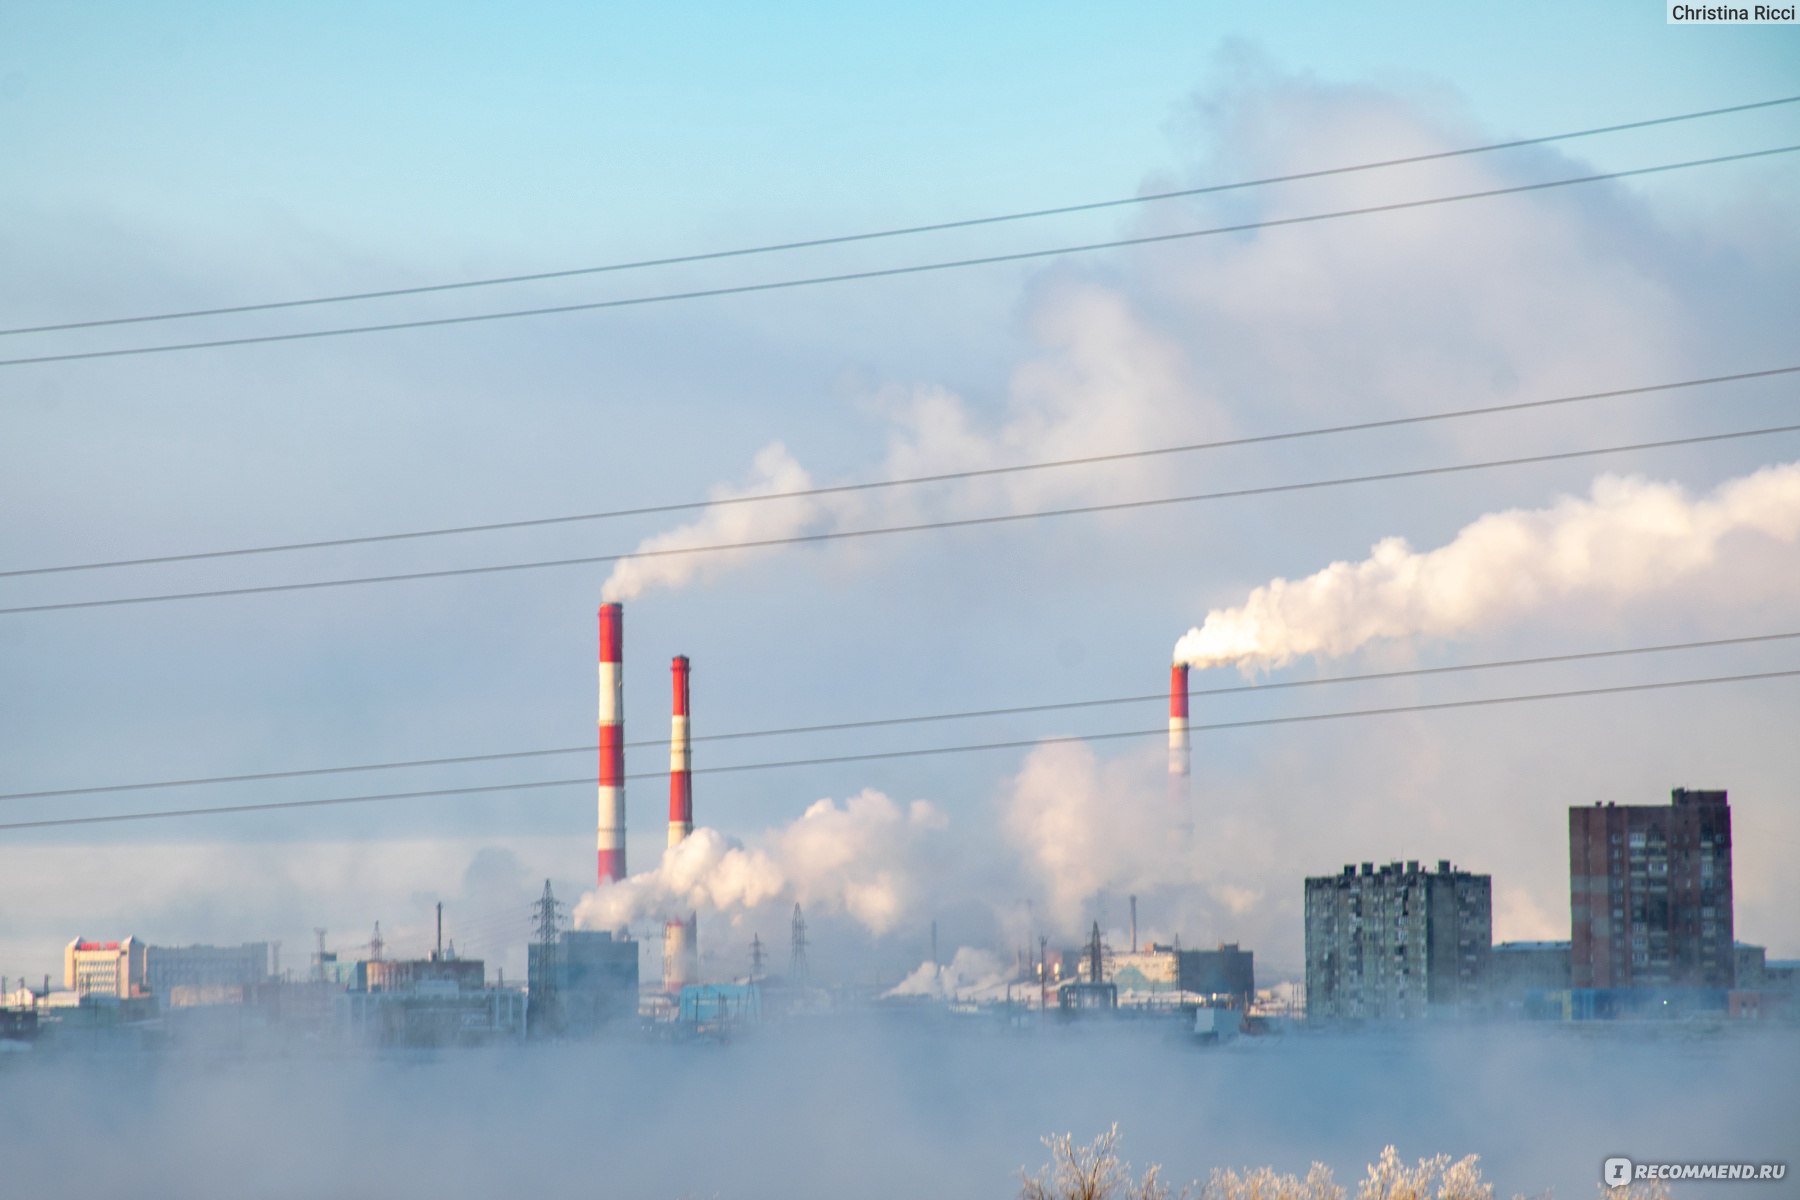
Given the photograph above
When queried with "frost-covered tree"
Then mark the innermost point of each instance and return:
(1433, 1179)
(1264, 1184)
(1095, 1172)
(1090, 1172)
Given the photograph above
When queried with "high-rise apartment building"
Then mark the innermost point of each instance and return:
(1650, 893)
(1398, 942)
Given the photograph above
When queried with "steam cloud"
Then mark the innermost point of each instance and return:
(775, 471)
(1627, 537)
(1103, 381)
(865, 858)
(971, 974)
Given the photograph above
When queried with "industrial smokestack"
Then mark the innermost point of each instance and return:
(680, 936)
(611, 839)
(1180, 756)
(681, 780)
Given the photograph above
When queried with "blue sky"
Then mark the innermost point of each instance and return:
(202, 155)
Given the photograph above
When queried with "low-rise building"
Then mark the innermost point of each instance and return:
(1516, 970)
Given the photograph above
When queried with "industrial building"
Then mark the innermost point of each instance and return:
(113, 969)
(405, 974)
(183, 976)
(718, 1008)
(436, 1001)
(1156, 973)
(1396, 942)
(1650, 894)
(582, 981)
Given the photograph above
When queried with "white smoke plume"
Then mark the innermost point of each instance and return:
(1626, 538)
(1103, 381)
(972, 974)
(1083, 825)
(867, 858)
(774, 472)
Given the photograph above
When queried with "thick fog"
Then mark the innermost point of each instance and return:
(888, 1105)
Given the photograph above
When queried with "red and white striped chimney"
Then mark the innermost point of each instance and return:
(681, 780)
(680, 935)
(611, 841)
(1180, 757)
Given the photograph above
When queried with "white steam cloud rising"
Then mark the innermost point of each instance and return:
(865, 858)
(1627, 537)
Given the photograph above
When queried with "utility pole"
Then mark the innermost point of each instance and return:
(756, 957)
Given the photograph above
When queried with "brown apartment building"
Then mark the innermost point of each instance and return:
(1650, 893)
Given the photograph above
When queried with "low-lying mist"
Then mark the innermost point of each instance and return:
(885, 1105)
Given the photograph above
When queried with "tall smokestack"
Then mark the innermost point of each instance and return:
(1180, 756)
(611, 839)
(680, 935)
(681, 780)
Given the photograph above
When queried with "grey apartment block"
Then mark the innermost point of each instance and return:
(1396, 942)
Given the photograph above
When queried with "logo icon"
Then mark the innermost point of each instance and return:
(1616, 1172)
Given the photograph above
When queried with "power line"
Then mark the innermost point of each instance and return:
(905, 231)
(941, 477)
(828, 760)
(917, 527)
(887, 272)
(916, 719)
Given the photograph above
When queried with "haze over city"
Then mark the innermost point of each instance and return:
(350, 360)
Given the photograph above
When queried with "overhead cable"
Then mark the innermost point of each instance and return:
(915, 719)
(904, 231)
(916, 527)
(827, 760)
(914, 480)
(886, 272)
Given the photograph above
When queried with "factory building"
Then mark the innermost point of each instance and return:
(405, 974)
(113, 969)
(1396, 943)
(582, 981)
(719, 1007)
(1650, 896)
(178, 976)
(182, 976)
(1156, 973)
(437, 1001)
